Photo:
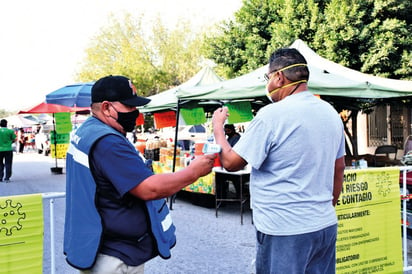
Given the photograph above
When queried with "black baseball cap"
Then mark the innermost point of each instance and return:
(117, 88)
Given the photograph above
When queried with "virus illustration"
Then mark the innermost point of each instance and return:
(383, 183)
(10, 217)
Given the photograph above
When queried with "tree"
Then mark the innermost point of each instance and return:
(387, 39)
(176, 53)
(259, 27)
(338, 36)
(5, 113)
(154, 62)
(295, 19)
(240, 45)
(367, 35)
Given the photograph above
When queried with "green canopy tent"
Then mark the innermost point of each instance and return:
(168, 99)
(331, 79)
(343, 87)
(326, 78)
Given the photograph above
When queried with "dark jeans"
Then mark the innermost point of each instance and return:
(6, 159)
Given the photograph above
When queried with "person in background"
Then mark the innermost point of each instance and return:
(295, 148)
(116, 217)
(222, 188)
(22, 140)
(32, 141)
(232, 135)
(7, 138)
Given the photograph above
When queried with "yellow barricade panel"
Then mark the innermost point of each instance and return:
(21, 234)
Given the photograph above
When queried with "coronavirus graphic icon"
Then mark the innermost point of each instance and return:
(11, 216)
(383, 183)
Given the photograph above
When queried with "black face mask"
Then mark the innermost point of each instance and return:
(127, 119)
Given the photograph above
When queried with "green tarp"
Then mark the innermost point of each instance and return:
(326, 78)
(168, 100)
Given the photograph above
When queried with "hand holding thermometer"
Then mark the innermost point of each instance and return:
(209, 148)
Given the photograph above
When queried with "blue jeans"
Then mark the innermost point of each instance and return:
(6, 159)
(297, 254)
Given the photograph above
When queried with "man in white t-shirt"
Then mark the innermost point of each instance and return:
(295, 148)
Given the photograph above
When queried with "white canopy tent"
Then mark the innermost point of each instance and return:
(19, 121)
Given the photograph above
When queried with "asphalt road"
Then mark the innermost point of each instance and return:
(205, 244)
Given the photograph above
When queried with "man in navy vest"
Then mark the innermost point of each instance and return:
(116, 219)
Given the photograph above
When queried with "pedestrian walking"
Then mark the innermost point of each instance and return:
(22, 140)
(7, 138)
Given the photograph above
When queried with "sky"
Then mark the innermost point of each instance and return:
(42, 42)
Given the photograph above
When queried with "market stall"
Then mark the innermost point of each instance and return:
(343, 87)
(167, 156)
(164, 161)
(167, 99)
(59, 136)
(368, 209)
(244, 95)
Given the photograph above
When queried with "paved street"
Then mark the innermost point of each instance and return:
(205, 244)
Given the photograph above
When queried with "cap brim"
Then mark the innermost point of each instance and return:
(136, 101)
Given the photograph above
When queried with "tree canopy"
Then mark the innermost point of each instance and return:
(154, 62)
(372, 36)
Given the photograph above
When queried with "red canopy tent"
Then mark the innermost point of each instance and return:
(54, 108)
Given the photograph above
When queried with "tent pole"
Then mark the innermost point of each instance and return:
(173, 197)
(55, 141)
(355, 133)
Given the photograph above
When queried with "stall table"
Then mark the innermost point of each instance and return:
(242, 177)
(207, 184)
(203, 185)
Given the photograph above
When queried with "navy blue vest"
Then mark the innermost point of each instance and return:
(83, 227)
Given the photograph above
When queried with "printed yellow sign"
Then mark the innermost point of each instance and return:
(61, 151)
(21, 234)
(369, 231)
